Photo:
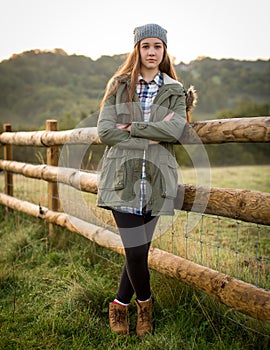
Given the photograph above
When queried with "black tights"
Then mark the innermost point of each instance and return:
(136, 232)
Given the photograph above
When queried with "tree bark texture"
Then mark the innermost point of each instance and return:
(255, 129)
(78, 179)
(45, 138)
(8, 155)
(245, 205)
(218, 131)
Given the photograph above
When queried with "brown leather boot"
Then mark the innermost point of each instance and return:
(145, 317)
(118, 318)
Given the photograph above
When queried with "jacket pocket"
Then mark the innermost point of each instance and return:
(169, 176)
(113, 172)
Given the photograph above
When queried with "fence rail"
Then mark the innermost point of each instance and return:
(245, 205)
(250, 206)
(207, 132)
(242, 296)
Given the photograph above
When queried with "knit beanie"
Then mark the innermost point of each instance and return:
(150, 31)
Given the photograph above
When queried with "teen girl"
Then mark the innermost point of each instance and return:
(143, 113)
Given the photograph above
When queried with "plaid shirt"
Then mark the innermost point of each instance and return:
(146, 93)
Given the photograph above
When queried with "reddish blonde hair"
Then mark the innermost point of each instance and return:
(130, 70)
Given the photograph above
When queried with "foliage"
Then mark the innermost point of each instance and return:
(228, 154)
(245, 109)
(221, 83)
(38, 85)
(54, 294)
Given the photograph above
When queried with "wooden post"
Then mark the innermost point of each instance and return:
(8, 155)
(52, 159)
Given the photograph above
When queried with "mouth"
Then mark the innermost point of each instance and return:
(151, 60)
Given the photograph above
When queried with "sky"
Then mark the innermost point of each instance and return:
(215, 28)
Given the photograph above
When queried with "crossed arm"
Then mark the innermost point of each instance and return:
(127, 127)
(140, 134)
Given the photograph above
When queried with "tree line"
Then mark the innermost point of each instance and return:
(39, 85)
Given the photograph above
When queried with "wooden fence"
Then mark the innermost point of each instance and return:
(250, 206)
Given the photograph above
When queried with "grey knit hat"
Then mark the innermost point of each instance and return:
(149, 31)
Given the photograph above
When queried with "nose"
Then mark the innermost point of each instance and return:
(151, 51)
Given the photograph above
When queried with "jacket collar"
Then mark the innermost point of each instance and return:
(168, 80)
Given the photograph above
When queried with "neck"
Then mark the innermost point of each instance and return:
(149, 74)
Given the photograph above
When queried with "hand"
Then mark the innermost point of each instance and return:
(168, 117)
(152, 142)
(125, 127)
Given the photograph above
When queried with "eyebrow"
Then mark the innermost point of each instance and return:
(157, 42)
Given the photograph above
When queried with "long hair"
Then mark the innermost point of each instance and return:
(130, 70)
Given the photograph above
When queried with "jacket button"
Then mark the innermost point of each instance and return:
(142, 126)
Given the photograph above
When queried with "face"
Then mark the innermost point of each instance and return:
(151, 52)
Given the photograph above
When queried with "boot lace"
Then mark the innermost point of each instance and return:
(119, 316)
(144, 314)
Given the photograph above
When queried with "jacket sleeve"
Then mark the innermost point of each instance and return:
(112, 136)
(164, 131)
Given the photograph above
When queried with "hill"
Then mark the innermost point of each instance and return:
(38, 85)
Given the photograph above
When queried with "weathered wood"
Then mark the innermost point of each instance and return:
(80, 180)
(51, 138)
(245, 205)
(255, 129)
(8, 176)
(250, 206)
(234, 293)
(52, 159)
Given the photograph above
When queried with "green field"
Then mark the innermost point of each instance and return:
(236, 248)
(239, 249)
(54, 293)
(256, 178)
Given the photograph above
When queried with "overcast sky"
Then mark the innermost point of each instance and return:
(216, 28)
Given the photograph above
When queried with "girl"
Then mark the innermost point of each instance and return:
(143, 113)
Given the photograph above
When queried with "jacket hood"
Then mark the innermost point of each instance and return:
(169, 80)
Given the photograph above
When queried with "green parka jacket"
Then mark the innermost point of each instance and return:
(119, 182)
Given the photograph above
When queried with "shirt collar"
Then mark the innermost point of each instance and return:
(158, 79)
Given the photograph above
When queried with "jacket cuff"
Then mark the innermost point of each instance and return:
(136, 127)
(134, 143)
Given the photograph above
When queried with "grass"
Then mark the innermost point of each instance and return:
(245, 177)
(236, 248)
(54, 294)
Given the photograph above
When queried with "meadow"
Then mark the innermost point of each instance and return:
(54, 293)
